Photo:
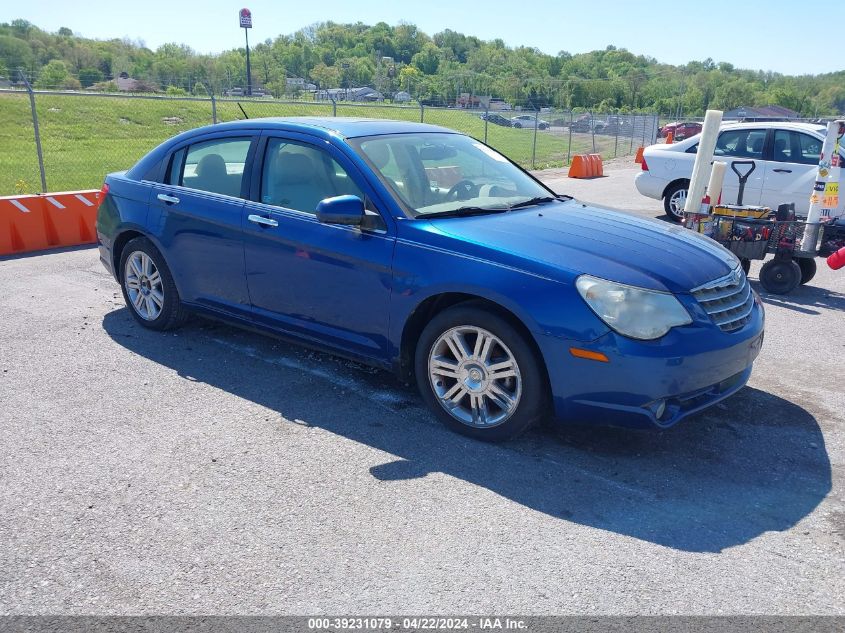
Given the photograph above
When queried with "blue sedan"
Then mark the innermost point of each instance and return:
(425, 252)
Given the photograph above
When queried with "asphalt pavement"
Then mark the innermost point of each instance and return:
(212, 470)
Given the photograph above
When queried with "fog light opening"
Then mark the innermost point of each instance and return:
(658, 408)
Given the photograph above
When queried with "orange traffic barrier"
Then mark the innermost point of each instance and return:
(579, 167)
(639, 157)
(22, 225)
(586, 166)
(598, 166)
(34, 223)
(670, 138)
(70, 217)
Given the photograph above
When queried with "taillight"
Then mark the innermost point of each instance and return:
(644, 164)
(103, 192)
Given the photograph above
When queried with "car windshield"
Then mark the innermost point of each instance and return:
(436, 173)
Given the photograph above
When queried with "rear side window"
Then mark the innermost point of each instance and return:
(216, 166)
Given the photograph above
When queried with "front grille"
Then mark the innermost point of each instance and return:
(727, 300)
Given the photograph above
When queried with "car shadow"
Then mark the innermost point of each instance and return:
(755, 463)
(803, 298)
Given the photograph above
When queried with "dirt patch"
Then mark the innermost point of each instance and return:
(171, 120)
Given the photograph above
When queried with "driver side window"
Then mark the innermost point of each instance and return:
(298, 176)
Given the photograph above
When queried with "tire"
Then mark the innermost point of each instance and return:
(518, 126)
(779, 276)
(808, 268)
(673, 201)
(162, 310)
(478, 411)
(746, 265)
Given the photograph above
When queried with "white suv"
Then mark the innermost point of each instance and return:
(785, 157)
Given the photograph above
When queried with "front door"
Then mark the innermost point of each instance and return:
(791, 173)
(329, 283)
(741, 146)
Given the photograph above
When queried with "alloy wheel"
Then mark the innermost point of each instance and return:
(142, 280)
(474, 376)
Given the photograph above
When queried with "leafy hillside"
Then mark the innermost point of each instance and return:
(436, 69)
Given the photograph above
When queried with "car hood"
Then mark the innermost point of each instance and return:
(575, 238)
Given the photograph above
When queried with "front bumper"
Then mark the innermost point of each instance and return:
(689, 369)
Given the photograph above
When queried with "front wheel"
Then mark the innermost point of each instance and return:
(779, 276)
(479, 375)
(675, 200)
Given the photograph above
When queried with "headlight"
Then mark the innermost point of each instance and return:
(631, 311)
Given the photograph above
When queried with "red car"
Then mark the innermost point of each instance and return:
(681, 130)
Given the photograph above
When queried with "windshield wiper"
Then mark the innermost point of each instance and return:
(465, 211)
(533, 201)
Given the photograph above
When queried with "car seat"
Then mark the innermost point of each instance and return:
(780, 151)
(211, 175)
(295, 182)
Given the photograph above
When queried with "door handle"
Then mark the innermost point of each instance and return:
(168, 199)
(260, 219)
(782, 171)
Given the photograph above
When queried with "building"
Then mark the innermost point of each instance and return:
(402, 97)
(760, 113)
(125, 83)
(364, 93)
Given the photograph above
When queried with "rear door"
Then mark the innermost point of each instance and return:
(197, 215)
(791, 172)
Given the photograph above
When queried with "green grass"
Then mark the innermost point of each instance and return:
(85, 137)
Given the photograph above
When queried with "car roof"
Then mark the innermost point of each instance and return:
(346, 127)
(784, 125)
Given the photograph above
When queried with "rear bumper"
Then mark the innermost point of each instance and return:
(651, 384)
(650, 185)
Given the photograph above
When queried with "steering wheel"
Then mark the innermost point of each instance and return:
(463, 190)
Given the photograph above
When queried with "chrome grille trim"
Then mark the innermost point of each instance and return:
(727, 300)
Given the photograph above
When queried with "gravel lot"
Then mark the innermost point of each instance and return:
(212, 470)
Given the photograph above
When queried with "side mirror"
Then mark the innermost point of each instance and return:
(341, 210)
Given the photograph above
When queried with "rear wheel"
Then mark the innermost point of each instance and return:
(808, 268)
(675, 200)
(148, 287)
(779, 276)
(479, 375)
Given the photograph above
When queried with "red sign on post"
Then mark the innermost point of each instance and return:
(246, 18)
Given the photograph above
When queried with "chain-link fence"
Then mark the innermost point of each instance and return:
(55, 141)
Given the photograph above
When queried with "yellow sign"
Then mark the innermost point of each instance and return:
(831, 188)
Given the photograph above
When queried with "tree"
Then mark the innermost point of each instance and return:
(90, 76)
(15, 53)
(427, 60)
(53, 75)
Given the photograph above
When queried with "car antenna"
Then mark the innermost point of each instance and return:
(246, 116)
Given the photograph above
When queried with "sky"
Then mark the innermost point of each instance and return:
(748, 35)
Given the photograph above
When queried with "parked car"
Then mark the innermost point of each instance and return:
(680, 130)
(617, 125)
(527, 120)
(586, 123)
(785, 157)
(498, 119)
(504, 301)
